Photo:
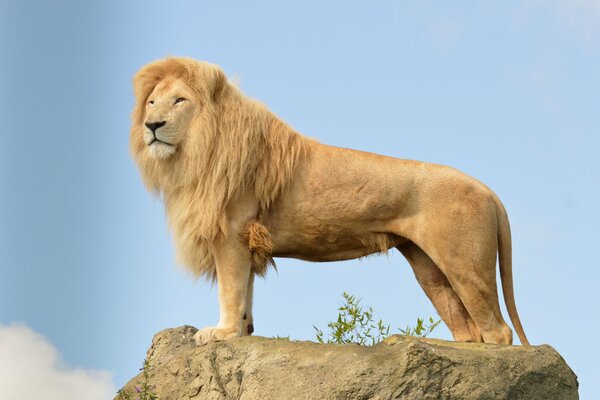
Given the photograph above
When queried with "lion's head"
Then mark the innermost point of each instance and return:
(200, 143)
(171, 95)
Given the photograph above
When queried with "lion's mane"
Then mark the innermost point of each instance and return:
(233, 146)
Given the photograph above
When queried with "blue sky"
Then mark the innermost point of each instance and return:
(506, 91)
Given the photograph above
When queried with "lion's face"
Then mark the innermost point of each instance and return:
(169, 112)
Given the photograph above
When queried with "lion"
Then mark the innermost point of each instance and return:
(241, 187)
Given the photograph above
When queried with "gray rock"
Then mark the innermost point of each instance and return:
(401, 367)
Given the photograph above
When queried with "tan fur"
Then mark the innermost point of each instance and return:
(241, 187)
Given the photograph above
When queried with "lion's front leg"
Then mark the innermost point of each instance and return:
(233, 264)
(248, 320)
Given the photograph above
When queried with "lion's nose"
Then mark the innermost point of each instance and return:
(153, 126)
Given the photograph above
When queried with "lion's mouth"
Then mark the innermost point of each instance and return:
(155, 139)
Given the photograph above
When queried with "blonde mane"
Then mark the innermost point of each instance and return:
(234, 145)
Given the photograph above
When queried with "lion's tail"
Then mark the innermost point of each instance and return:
(505, 261)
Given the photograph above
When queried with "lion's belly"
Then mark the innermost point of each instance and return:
(334, 248)
(330, 242)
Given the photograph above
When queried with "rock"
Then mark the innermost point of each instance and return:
(401, 367)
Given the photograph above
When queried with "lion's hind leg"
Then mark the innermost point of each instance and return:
(442, 295)
(470, 268)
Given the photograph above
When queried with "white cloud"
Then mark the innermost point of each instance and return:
(31, 368)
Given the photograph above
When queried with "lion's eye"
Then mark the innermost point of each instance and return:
(151, 102)
(179, 100)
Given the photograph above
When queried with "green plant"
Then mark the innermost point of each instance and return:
(355, 324)
(143, 389)
(422, 329)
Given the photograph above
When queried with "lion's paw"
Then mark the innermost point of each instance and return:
(214, 334)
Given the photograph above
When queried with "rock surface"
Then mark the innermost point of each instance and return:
(401, 367)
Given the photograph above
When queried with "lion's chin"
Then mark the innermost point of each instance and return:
(161, 151)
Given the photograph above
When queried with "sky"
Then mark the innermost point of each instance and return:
(505, 91)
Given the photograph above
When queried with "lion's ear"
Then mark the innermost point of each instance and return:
(220, 83)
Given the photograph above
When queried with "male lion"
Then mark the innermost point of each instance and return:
(241, 187)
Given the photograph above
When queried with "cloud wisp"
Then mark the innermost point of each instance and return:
(31, 368)
(579, 16)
